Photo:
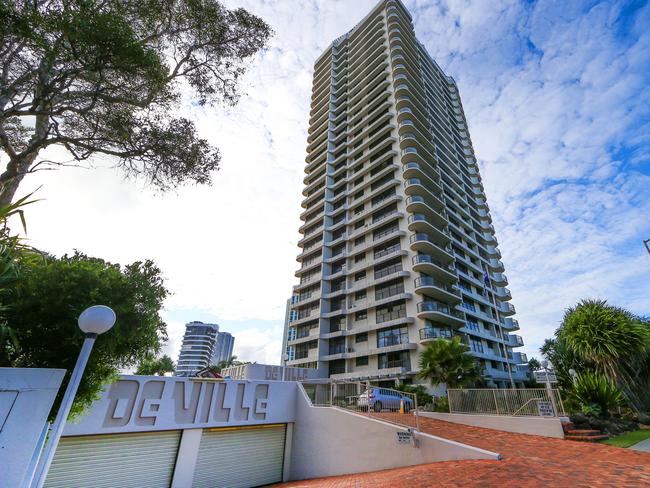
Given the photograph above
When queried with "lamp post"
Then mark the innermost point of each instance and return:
(93, 321)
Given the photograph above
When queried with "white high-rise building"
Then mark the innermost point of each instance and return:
(398, 246)
(197, 349)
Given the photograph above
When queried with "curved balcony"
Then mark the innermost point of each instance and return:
(402, 87)
(428, 334)
(513, 340)
(423, 243)
(503, 294)
(426, 204)
(431, 287)
(496, 264)
(507, 308)
(499, 279)
(510, 324)
(440, 312)
(418, 171)
(423, 263)
(421, 223)
(403, 112)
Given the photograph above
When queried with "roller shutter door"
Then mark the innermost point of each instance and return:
(134, 460)
(240, 458)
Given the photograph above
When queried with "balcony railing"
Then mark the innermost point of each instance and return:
(425, 258)
(431, 333)
(430, 281)
(434, 306)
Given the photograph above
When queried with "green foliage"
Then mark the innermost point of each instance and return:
(156, 366)
(604, 336)
(231, 361)
(423, 398)
(101, 78)
(49, 296)
(595, 394)
(608, 340)
(534, 364)
(442, 404)
(13, 253)
(446, 361)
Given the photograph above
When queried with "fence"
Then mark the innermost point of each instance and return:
(536, 402)
(386, 404)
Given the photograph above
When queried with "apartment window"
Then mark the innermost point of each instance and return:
(468, 306)
(360, 295)
(383, 196)
(359, 224)
(389, 289)
(337, 367)
(362, 315)
(361, 361)
(386, 249)
(359, 257)
(312, 344)
(392, 311)
(472, 325)
(359, 240)
(385, 230)
(361, 275)
(358, 195)
(392, 336)
(291, 353)
(362, 337)
(386, 212)
(291, 335)
(358, 210)
(476, 345)
(388, 268)
(394, 360)
(358, 181)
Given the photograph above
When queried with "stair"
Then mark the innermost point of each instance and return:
(584, 435)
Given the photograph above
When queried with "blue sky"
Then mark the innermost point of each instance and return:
(557, 96)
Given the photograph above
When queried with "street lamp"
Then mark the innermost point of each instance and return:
(93, 321)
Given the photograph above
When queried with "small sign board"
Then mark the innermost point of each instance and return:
(545, 409)
(545, 376)
(403, 437)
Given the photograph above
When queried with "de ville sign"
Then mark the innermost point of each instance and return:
(146, 403)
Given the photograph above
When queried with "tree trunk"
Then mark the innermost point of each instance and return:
(11, 178)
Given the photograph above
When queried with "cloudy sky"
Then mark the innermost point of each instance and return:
(557, 95)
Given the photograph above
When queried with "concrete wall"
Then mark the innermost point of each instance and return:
(26, 397)
(330, 441)
(547, 427)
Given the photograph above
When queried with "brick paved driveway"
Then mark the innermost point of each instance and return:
(528, 461)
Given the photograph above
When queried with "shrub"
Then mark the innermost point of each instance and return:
(595, 394)
(423, 398)
(442, 404)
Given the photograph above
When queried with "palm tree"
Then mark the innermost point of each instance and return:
(609, 338)
(445, 361)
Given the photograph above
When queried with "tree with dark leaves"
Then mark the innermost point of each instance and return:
(103, 78)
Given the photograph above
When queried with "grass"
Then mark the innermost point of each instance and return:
(629, 438)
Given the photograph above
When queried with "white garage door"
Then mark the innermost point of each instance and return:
(240, 458)
(135, 460)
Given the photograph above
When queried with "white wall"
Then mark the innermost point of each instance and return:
(330, 441)
(547, 427)
(26, 396)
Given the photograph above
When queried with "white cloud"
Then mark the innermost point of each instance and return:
(547, 126)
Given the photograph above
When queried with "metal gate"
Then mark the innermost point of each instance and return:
(145, 460)
(240, 457)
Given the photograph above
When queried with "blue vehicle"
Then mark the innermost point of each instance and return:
(384, 398)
